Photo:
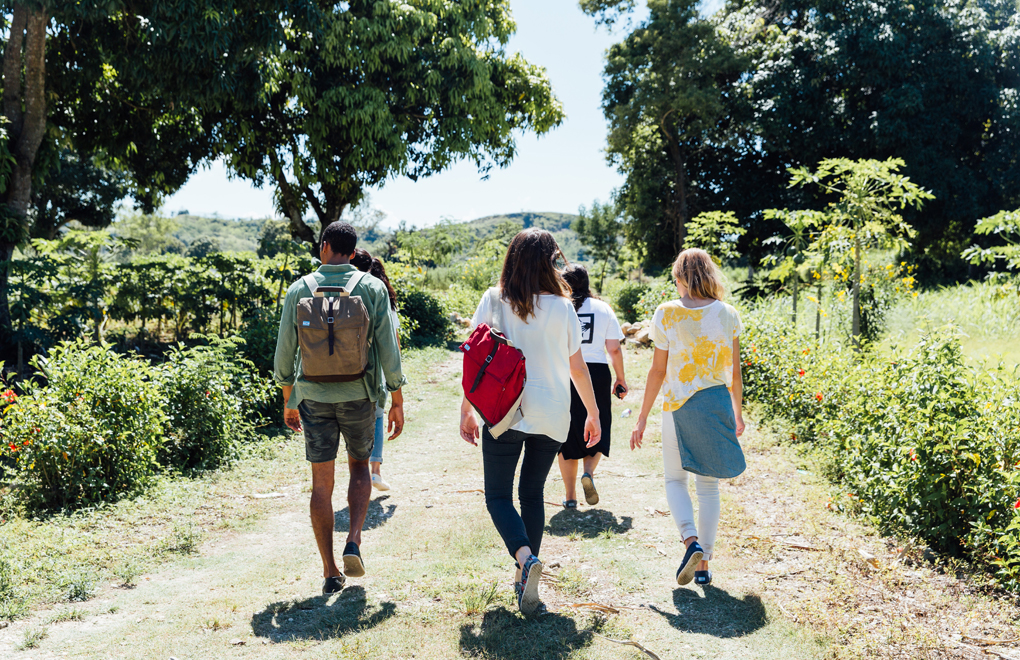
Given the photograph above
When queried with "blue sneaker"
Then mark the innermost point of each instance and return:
(527, 589)
(704, 578)
(689, 565)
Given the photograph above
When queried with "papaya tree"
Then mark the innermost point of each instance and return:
(866, 196)
(793, 248)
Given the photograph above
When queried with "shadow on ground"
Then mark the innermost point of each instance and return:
(378, 514)
(317, 618)
(717, 613)
(588, 524)
(505, 635)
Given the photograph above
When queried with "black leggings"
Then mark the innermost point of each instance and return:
(499, 459)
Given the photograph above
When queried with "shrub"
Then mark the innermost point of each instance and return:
(461, 300)
(93, 434)
(212, 396)
(427, 312)
(921, 442)
(259, 332)
(627, 302)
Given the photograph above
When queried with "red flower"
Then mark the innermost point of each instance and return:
(793, 436)
(1017, 505)
(913, 456)
(800, 372)
(207, 392)
(818, 395)
(9, 396)
(13, 447)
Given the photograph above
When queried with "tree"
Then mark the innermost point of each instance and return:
(148, 233)
(434, 246)
(717, 233)
(931, 82)
(868, 198)
(79, 190)
(370, 89)
(1004, 225)
(666, 101)
(787, 264)
(135, 87)
(600, 230)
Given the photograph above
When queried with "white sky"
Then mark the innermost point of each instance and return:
(557, 172)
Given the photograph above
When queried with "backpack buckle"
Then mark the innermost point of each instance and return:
(329, 320)
(488, 359)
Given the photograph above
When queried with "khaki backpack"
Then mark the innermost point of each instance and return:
(333, 332)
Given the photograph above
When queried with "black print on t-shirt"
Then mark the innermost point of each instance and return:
(587, 328)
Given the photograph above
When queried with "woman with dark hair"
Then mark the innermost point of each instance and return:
(535, 310)
(365, 262)
(600, 334)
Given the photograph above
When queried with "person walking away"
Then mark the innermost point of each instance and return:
(697, 365)
(600, 334)
(328, 406)
(366, 263)
(533, 304)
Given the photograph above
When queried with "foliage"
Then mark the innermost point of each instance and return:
(1005, 225)
(259, 331)
(93, 433)
(629, 301)
(79, 189)
(869, 196)
(151, 233)
(202, 247)
(715, 232)
(426, 312)
(600, 230)
(211, 397)
(916, 438)
(654, 295)
(359, 92)
(433, 246)
(666, 99)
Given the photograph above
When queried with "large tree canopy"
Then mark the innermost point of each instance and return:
(372, 89)
(932, 82)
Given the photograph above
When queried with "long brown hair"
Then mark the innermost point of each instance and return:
(365, 262)
(576, 276)
(528, 270)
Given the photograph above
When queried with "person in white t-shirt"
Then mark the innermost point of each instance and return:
(365, 262)
(540, 321)
(600, 334)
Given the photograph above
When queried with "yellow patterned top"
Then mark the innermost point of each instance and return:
(700, 345)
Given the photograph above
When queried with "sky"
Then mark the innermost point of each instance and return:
(557, 172)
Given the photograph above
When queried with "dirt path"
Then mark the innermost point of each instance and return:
(794, 578)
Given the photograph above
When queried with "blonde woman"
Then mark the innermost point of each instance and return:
(697, 366)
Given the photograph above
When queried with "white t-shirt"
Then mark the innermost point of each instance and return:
(598, 323)
(700, 345)
(547, 339)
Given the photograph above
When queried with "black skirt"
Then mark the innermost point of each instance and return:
(602, 382)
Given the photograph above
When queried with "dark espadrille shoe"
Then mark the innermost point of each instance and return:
(353, 565)
(689, 565)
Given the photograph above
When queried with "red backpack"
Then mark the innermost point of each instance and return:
(494, 373)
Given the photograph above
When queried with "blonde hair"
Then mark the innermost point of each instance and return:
(695, 271)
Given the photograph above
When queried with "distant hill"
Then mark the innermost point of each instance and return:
(556, 223)
(242, 235)
(231, 235)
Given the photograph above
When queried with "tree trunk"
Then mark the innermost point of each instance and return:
(796, 281)
(292, 205)
(857, 293)
(25, 110)
(818, 314)
(677, 210)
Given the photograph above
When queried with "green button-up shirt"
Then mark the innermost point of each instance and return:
(384, 371)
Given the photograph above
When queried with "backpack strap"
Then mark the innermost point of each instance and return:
(353, 282)
(311, 283)
(344, 291)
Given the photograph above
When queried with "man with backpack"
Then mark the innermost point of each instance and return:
(336, 355)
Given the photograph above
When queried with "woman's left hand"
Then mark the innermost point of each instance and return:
(469, 426)
(740, 424)
(592, 430)
(637, 435)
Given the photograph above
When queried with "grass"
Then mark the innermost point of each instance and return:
(32, 639)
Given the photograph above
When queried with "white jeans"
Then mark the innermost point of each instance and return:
(680, 504)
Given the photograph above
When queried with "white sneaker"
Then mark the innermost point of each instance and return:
(378, 483)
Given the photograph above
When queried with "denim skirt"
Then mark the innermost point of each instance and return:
(707, 433)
